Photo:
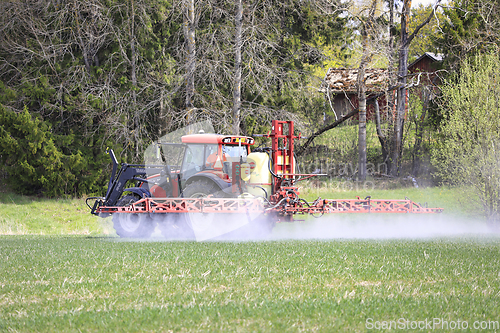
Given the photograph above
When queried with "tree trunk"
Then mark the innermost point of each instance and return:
(401, 92)
(362, 120)
(189, 35)
(237, 68)
(381, 137)
(366, 35)
(419, 130)
(133, 52)
(390, 98)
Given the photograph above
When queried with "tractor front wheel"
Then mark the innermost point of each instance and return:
(132, 225)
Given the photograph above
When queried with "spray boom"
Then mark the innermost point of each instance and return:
(210, 180)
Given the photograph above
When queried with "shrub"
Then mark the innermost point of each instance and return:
(30, 158)
(469, 153)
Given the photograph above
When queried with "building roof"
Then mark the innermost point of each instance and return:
(433, 56)
(338, 80)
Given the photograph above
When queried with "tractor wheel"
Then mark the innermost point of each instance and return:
(223, 226)
(200, 189)
(130, 225)
(204, 224)
(174, 226)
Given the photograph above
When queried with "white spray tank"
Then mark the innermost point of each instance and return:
(260, 183)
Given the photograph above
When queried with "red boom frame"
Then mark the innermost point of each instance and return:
(287, 207)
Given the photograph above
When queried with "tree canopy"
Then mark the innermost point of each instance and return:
(78, 76)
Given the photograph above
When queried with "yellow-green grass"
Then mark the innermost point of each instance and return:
(21, 215)
(451, 199)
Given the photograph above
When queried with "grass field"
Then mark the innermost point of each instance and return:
(81, 283)
(64, 270)
(20, 215)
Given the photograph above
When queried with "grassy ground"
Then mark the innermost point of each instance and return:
(82, 283)
(20, 215)
(64, 270)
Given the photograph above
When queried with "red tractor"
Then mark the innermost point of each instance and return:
(209, 185)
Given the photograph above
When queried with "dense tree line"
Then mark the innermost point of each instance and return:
(78, 76)
(92, 74)
(469, 150)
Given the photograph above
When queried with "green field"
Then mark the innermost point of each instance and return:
(64, 270)
(78, 283)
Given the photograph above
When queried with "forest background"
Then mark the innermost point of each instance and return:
(80, 76)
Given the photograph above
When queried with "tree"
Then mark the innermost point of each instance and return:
(471, 26)
(278, 42)
(425, 39)
(381, 44)
(404, 42)
(93, 73)
(31, 159)
(190, 38)
(122, 73)
(238, 23)
(367, 33)
(468, 153)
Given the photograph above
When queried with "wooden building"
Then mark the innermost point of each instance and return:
(427, 63)
(341, 89)
(424, 71)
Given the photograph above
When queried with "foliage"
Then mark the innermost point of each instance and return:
(469, 152)
(31, 159)
(425, 40)
(470, 27)
(98, 73)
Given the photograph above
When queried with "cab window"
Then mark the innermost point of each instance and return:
(233, 152)
(195, 158)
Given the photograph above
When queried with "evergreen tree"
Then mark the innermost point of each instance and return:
(471, 27)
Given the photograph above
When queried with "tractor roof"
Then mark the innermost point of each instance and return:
(217, 139)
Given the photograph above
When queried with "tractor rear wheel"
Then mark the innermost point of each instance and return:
(200, 189)
(178, 226)
(223, 226)
(174, 226)
(131, 225)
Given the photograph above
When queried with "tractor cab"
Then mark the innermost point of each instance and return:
(210, 158)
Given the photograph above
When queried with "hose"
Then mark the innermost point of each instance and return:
(263, 189)
(279, 203)
(269, 165)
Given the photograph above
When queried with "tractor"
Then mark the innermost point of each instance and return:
(208, 185)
